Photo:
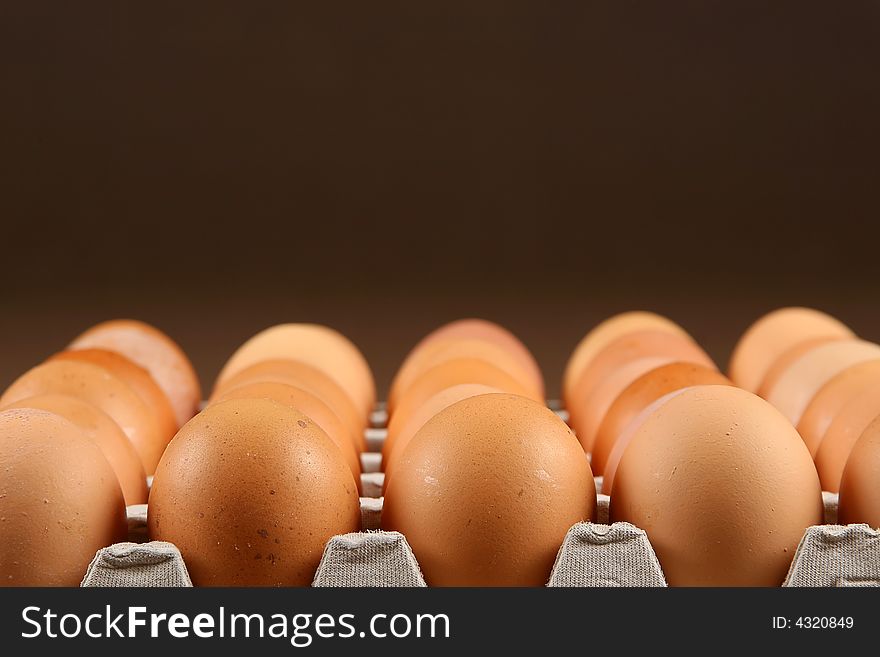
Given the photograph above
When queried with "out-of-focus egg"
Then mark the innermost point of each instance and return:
(161, 356)
(616, 355)
(250, 491)
(486, 491)
(321, 347)
(136, 377)
(859, 499)
(446, 349)
(842, 434)
(306, 377)
(723, 486)
(100, 388)
(443, 399)
(60, 501)
(604, 334)
(831, 398)
(450, 373)
(626, 436)
(481, 329)
(786, 360)
(105, 433)
(638, 395)
(772, 335)
(309, 405)
(805, 377)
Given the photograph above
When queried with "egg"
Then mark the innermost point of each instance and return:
(772, 335)
(587, 415)
(832, 396)
(604, 334)
(804, 378)
(306, 377)
(639, 394)
(250, 491)
(446, 349)
(781, 364)
(443, 399)
(486, 491)
(449, 373)
(486, 331)
(322, 347)
(842, 434)
(723, 486)
(859, 499)
(157, 353)
(105, 433)
(136, 377)
(100, 388)
(309, 405)
(60, 501)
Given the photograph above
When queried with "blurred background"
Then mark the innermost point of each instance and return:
(214, 168)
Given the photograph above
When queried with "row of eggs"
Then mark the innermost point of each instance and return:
(480, 476)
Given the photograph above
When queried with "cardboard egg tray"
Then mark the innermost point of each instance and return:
(593, 554)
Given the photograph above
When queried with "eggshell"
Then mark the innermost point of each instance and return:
(443, 399)
(487, 331)
(105, 433)
(859, 499)
(100, 388)
(59, 500)
(250, 491)
(310, 406)
(616, 355)
(831, 398)
(321, 347)
(136, 377)
(486, 491)
(449, 373)
(446, 349)
(723, 486)
(308, 378)
(772, 335)
(604, 334)
(842, 434)
(161, 356)
(786, 360)
(805, 377)
(653, 384)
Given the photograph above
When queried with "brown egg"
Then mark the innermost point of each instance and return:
(59, 500)
(443, 399)
(626, 436)
(486, 491)
(304, 376)
(843, 432)
(772, 335)
(604, 334)
(250, 491)
(150, 348)
(136, 377)
(105, 433)
(310, 406)
(321, 347)
(805, 377)
(617, 354)
(446, 349)
(481, 329)
(450, 373)
(832, 396)
(723, 486)
(786, 360)
(860, 485)
(641, 393)
(100, 388)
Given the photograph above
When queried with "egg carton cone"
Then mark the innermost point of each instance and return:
(156, 564)
(836, 556)
(372, 559)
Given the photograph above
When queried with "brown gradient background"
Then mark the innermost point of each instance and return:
(384, 167)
